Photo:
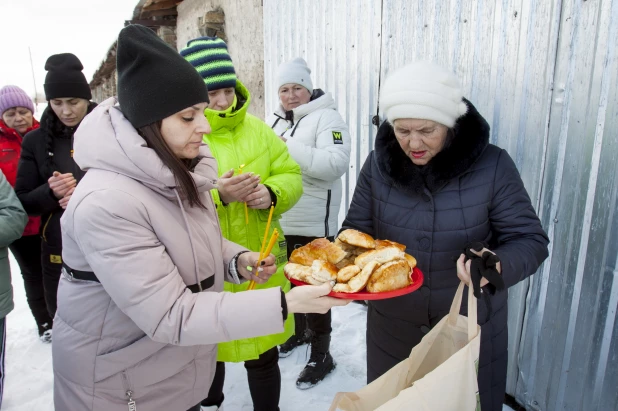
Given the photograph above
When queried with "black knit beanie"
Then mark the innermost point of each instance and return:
(154, 81)
(65, 78)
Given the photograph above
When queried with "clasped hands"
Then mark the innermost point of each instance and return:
(243, 188)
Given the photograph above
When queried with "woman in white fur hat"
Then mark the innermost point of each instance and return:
(318, 139)
(435, 184)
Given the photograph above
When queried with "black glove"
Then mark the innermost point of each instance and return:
(483, 266)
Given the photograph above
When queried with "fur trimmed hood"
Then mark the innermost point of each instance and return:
(471, 139)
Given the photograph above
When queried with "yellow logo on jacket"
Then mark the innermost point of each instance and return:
(337, 137)
(55, 259)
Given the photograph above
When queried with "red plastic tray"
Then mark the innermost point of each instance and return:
(417, 282)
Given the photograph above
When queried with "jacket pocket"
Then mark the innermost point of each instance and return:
(129, 390)
(8, 156)
(315, 187)
(109, 364)
(8, 162)
(146, 363)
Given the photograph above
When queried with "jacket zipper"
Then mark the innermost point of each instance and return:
(129, 393)
(45, 227)
(327, 213)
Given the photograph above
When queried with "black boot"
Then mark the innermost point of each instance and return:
(293, 342)
(301, 336)
(320, 363)
(45, 332)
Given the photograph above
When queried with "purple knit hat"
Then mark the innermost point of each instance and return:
(13, 96)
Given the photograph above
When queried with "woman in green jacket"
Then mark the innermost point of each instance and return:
(269, 176)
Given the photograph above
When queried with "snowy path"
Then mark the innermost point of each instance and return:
(29, 379)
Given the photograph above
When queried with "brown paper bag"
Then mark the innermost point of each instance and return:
(440, 373)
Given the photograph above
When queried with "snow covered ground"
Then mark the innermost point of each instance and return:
(29, 379)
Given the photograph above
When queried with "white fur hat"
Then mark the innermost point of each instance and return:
(423, 90)
(295, 72)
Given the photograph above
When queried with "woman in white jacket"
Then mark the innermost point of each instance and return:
(319, 140)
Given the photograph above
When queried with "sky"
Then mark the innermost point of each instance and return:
(86, 28)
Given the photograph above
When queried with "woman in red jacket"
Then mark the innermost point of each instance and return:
(16, 109)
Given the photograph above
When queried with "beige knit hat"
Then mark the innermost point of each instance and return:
(423, 90)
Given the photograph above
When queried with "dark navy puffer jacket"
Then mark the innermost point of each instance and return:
(471, 191)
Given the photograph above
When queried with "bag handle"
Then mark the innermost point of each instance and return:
(472, 314)
(339, 396)
(336, 400)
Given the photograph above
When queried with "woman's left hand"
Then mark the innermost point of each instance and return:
(259, 198)
(264, 271)
(463, 268)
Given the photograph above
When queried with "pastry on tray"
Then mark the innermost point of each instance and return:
(390, 276)
(320, 249)
(356, 261)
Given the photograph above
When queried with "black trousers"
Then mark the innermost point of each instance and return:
(51, 261)
(27, 252)
(264, 382)
(318, 323)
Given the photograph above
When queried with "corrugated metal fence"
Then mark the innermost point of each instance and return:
(344, 58)
(544, 75)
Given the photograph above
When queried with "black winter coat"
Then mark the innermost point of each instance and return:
(34, 169)
(470, 191)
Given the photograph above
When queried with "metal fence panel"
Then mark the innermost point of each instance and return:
(544, 75)
(340, 40)
(568, 357)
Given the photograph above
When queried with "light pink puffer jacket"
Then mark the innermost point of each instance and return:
(140, 331)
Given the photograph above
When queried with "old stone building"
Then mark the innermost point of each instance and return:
(238, 22)
(241, 24)
(158, 15)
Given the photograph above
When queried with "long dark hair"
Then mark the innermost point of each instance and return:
(55, 128)
(180, 168)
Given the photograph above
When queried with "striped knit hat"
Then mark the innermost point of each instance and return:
(211, 59)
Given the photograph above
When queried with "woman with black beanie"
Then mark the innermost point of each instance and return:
(47, 174)
(141, 306)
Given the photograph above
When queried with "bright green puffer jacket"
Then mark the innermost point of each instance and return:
(240, 138)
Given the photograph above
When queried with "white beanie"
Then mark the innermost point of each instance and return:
(423, 90)
(296, 72)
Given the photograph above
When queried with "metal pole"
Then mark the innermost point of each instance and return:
(36, 94)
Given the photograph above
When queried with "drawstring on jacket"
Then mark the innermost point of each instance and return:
(184, 216)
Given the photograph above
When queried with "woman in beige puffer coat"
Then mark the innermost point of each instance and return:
(140, 307)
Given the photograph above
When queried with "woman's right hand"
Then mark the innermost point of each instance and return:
(236, 188)
(312, 299)
(64, 201)
(61, 184)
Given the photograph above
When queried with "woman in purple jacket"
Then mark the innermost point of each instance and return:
(140, 302)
